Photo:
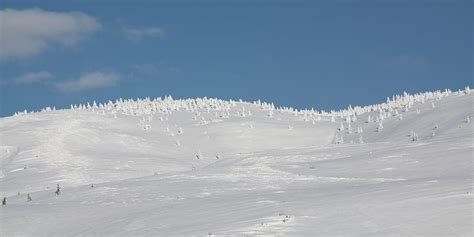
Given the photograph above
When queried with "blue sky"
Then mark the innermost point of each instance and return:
(321, 54)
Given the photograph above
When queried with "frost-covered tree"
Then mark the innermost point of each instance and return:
(406, 108)
(381, 116)
(348, 119)
(338, 139)
(270, 114)
(380, 127)
(467, 90)
(341, 127)
(414, 137)
(369, 119)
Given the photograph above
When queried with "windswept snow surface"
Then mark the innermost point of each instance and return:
(246, 170)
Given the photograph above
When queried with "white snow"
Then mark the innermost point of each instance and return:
(207, 167)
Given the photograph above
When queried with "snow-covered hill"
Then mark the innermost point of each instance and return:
(201, 167)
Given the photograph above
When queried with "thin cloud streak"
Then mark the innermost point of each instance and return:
(33, 77)
(137, 34)
(89, 81)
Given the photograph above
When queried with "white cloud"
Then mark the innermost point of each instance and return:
(138, 34)
(89, 81)
(25, 33)
(33, 77)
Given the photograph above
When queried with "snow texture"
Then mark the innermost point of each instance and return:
(207, 167)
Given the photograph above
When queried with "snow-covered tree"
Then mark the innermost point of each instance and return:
(380, 127)
(467, 90)
(338, 139)
(270, 114)
(414, 137)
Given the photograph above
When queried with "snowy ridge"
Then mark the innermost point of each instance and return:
(209, 167)
(168, 104)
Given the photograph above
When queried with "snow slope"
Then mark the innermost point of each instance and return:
(209, 167)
